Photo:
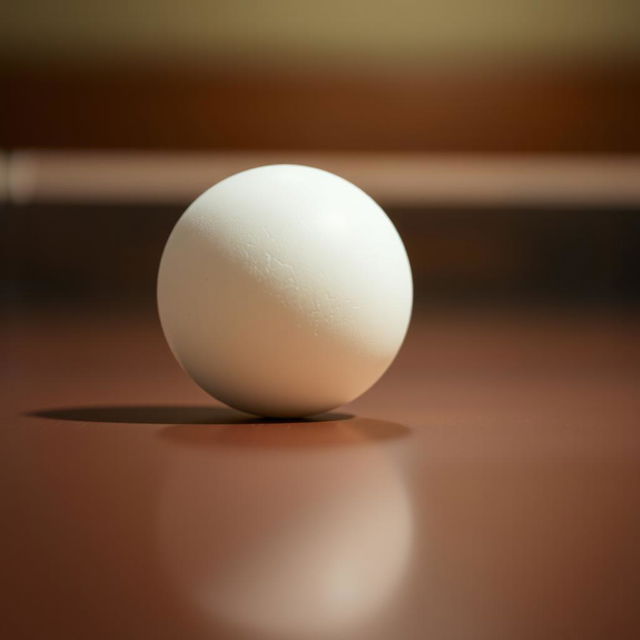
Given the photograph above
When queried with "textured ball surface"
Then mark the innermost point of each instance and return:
(284, 291)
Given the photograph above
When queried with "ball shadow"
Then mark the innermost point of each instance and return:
(176, 415)
(349, 430)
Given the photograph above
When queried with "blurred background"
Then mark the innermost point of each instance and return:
(500, 136)
(499, 501)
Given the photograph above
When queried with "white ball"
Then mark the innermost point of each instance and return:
(284, 291)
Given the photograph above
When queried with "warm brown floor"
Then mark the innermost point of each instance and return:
(486, 488)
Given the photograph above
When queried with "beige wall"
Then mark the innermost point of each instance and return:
(321, 32)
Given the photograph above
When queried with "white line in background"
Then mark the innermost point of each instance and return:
(394, 179)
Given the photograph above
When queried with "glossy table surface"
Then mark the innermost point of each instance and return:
(487, 487)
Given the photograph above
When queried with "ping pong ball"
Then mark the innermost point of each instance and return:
(284, 291)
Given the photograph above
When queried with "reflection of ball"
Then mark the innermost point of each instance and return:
(265, 544)
(284, 291)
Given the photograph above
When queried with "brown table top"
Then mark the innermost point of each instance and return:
(487, 487)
